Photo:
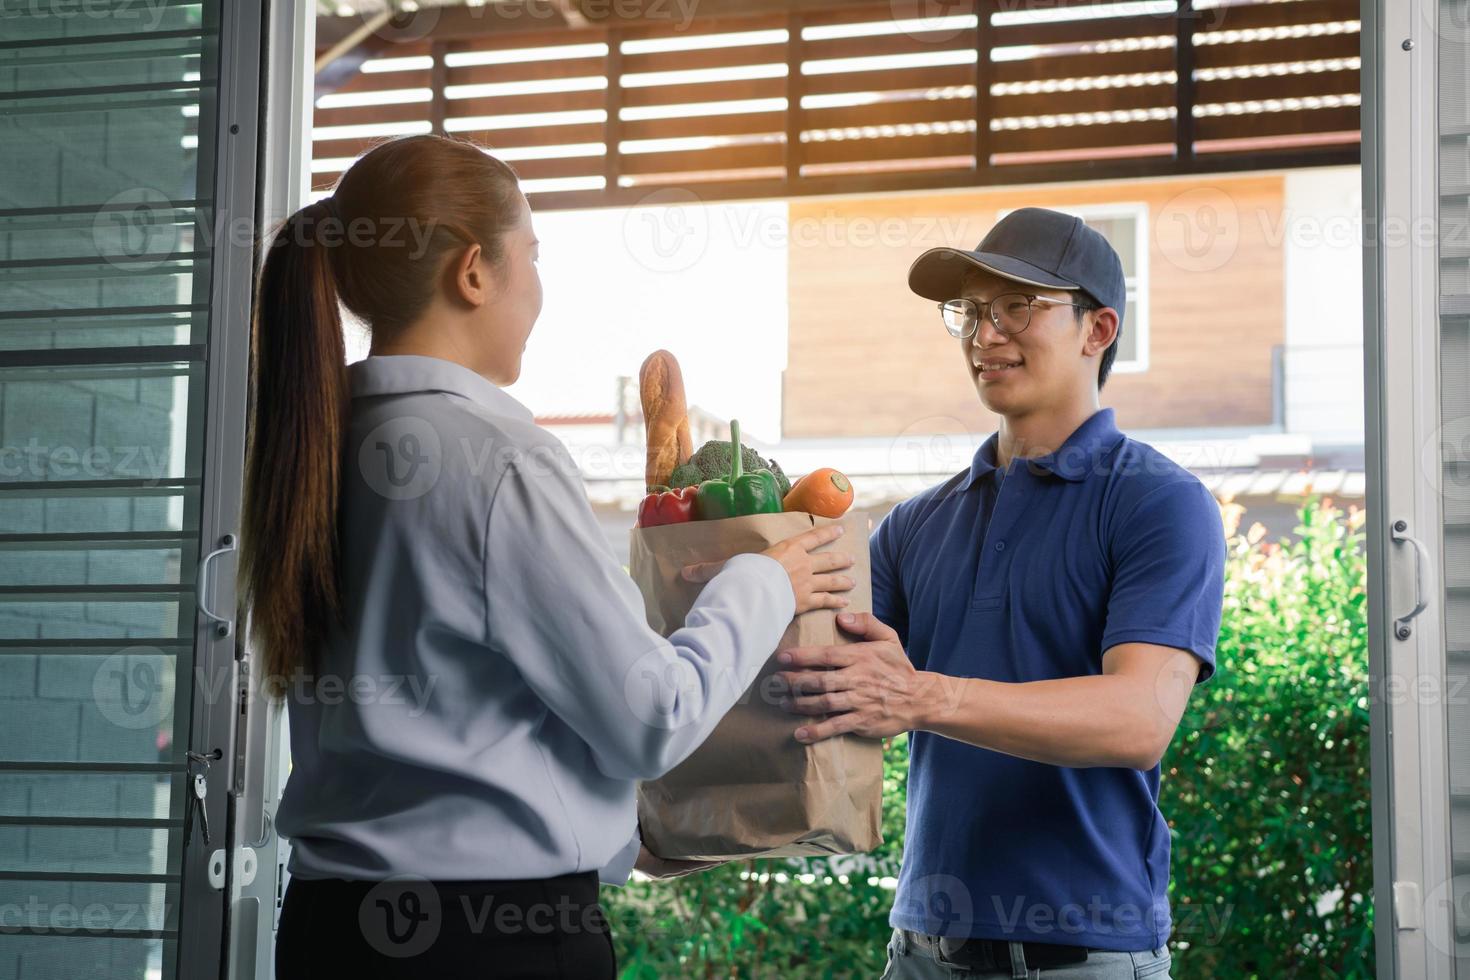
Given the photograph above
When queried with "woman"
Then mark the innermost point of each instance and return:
(471, 685)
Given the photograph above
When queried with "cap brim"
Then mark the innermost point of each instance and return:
(938, 273)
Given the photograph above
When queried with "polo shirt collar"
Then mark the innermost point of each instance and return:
(1072, 461)
(398, 374)
(983, 464)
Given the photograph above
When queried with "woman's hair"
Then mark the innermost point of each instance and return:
(379, 245)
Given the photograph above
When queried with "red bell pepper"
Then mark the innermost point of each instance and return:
(668, 507)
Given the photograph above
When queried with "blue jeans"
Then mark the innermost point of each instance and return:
(908, 961)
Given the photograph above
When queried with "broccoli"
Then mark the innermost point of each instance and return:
(712, 462)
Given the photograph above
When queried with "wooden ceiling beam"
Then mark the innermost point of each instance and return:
(463, 23)
(337, 65)
(921, 125)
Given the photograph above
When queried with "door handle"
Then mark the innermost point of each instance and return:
(226, 623)
(1400, 531)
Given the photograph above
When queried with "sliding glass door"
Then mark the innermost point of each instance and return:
(1416, 169)
(1450, 454)
(127, 171)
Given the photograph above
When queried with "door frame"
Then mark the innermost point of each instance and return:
(262, 755)
(231, 162)
(1409, 734)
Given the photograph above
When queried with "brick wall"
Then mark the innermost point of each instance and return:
(866, 357)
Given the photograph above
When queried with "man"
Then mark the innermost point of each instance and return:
(1039, 620)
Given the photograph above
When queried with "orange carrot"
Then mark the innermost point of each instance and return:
(824, 492)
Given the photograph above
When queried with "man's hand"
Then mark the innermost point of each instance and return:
(656, 867)
(869, 688)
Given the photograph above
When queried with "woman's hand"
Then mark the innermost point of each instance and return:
(811, 580)
(656, 867)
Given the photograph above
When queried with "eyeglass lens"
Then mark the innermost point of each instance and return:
(1010, 312)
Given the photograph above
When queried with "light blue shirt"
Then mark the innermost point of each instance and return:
(496, 690)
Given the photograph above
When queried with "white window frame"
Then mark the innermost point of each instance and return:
(1136, 316)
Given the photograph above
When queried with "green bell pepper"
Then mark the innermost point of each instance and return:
(749, 493)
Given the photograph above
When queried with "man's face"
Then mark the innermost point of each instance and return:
(1040, 366)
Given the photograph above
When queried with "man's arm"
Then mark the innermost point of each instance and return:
(1125, 716)
(1162, 620)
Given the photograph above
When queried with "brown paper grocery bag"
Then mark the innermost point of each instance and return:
(752, 790)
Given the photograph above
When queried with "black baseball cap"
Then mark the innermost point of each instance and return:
(1034, 246)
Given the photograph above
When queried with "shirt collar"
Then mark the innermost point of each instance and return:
(1073, 460)
(396, 374)
(983, 464)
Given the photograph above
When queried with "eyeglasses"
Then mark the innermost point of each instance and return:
(1010, 312)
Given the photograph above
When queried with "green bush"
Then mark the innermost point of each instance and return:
(1266, 783)
(1265, 787)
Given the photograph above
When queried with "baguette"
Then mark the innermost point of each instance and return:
(665, 416)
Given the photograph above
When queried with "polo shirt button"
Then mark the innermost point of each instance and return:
(1000, 546)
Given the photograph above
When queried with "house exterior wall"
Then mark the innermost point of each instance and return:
(1322, 238)
(866, 357)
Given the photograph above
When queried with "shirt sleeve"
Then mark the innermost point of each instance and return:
(560, 606)
(620, 868)
(1168, 582)
(889, 603)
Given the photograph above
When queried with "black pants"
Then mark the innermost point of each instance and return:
(448, 930)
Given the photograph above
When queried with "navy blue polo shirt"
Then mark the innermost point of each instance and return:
(1028, 574)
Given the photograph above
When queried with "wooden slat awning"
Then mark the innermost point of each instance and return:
(848, 99)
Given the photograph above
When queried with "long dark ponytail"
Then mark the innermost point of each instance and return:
(377, 245)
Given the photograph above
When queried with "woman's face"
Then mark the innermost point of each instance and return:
(515, 302)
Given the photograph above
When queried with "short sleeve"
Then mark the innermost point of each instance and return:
(1168, 573)
(889, 603)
